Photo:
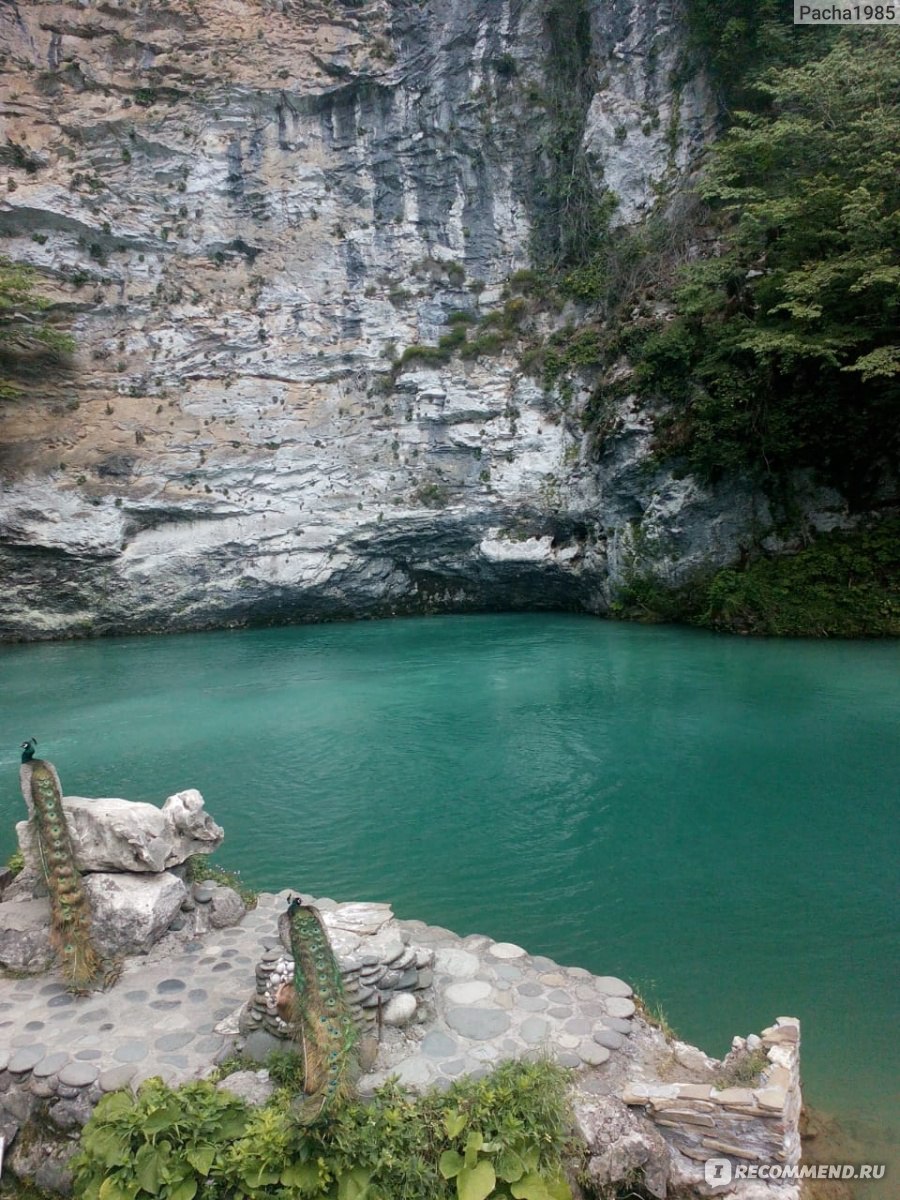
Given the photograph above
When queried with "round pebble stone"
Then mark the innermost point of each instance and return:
(78, 1074)
(480, 1024)
(458, 963)
(609, 1038)
(566, 1058)
(52, 989)
(175, 1060)
(89, 1055)
(592, 1053)
(438, 1045)
(568, 1041)
(530, 988)
(114, 1078)
(400, 1009)
(138, 996)
(26, 1058)
(534, 1029)
(220, 967)
(197, 995)
(164, 1005)
(611, 986)
(592, 1009)
(61, 1001)
(506, 950)
(559, 996)
(485, 1053)
(453, 1066)
(34, 1026)
(532, 1003)
(43, 1087)
(554, 979)
(468, 993)
(131, 1052)
(92, 1016)
(202, 893)
(507, 971)
(561, 1014)
(51, 1064)
(174, 1041)
(171, 985)
(579, 1025)
(619, 1024)
(619, 1006)
(542, 963)
(578, 973)
(210, 1044)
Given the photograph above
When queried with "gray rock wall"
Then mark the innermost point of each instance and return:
(247, 210)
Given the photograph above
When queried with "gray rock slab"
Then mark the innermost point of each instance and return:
(26, 1058)
(479, 1024)
(592, 1053)
(620, 1006)
(609, 1038)
(114, 1078)
(458, 963)
(534, 1029)
(131, 1052)
(174, 1041)
(469, 992)
(78, 1074)
(438, 1045)
(611, 986)
(51, 1064)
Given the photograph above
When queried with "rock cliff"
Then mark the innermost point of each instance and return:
(250, 208)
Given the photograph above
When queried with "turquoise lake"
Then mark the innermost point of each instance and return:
(713, 819)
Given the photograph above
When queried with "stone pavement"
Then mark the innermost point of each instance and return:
(174, 1011)
(491, 1001)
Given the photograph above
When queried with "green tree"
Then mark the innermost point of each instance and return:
(784, 350)
(24, 333)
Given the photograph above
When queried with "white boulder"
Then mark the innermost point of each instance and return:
(127, 835)
(131, 912)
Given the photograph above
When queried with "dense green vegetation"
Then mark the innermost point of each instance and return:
(783, 352)
(24, 335)
(501, 1136)
(842, 585)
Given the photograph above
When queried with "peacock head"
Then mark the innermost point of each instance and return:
(294, 903)
(28, 749)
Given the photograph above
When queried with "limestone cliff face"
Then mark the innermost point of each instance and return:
(250, 207)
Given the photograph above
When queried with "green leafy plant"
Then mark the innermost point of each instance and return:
(201, 870)
(501, 1136)
(158, 1143)
(745, 1070)
(25, 337)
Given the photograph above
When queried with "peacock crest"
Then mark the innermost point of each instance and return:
(70, 913)
(322, 1016)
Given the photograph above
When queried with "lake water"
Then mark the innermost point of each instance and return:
(713, 819)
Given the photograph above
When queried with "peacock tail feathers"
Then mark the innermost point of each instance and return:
(325, 1024)
(70, 914)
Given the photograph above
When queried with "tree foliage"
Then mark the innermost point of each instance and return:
(24, 333)
(783, 352)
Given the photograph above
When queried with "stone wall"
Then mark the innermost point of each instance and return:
(385, 975)
(759, 1123)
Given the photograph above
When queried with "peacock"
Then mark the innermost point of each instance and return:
(322, 1016)
(70, 914)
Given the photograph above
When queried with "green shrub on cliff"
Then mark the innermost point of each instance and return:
(501, 1136)
(23, 334)
(843, 585)
(783, 352)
